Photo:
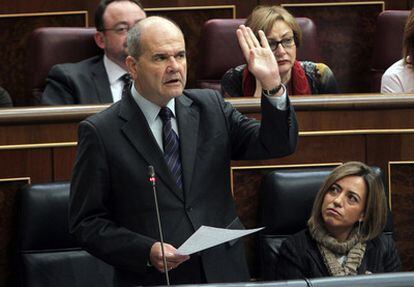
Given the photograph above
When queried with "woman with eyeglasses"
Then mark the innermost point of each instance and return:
(284, 36)
(345, 230)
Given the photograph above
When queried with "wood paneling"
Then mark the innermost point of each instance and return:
(348, 54)
(402, 199)
(389, 4)
(15, 47)
(243, 7)
(191, 19)
(62, 162)
(390, 148)
(34, 163)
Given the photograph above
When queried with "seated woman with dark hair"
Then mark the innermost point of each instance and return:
(284, 36)
(345, 231)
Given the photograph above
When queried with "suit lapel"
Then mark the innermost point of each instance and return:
(137, 131)
(100, 78)
(188, 122)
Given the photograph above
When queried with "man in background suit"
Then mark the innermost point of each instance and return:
(97, 80)
(112, 210)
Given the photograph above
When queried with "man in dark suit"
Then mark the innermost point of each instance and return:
(112, 209)
(97, 80)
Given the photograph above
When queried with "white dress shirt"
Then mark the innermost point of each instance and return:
(150, 111)
(115, 72)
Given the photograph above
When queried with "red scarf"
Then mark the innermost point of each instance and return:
(298, 84)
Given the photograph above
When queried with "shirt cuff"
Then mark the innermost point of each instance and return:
(279, 102)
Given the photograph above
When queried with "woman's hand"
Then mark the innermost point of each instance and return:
(259, 57)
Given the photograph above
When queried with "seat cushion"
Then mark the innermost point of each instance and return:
(69, 268)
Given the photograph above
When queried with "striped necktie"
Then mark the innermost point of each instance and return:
(171, 145)
(127, 79)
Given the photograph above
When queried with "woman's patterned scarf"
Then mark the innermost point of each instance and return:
(298, 84)
(330, 249)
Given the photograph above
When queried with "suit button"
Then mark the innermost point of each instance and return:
(189, 209)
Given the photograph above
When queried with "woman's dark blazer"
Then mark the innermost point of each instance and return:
(299, 257)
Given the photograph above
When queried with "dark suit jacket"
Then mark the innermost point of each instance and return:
(112, 209)
(85, 82)
(300, 257)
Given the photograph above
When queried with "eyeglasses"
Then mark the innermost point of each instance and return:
(120, 30)
(286, 43)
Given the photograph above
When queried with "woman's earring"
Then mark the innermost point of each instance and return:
(359, 227)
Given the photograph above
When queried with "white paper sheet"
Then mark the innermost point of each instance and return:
(206, 237)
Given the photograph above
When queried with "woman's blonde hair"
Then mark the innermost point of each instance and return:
(264, 17)
(375, 211)
(408, 39)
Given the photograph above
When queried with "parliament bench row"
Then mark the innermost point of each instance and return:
(219, 49)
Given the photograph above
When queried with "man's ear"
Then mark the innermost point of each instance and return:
(131, 64)
(99, 40)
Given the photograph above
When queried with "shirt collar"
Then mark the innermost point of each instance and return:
(113, 70)
(149, 109)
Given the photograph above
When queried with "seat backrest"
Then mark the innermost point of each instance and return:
(47, 254)
(48, 46)
(287, 197)
(220, 49)
(389, 33)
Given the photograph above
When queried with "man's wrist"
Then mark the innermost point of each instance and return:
(272, 92)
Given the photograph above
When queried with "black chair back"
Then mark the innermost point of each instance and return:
(47, 254)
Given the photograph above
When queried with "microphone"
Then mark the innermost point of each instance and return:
(151, 175)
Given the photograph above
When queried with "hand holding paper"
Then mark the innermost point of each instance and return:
(206, 237)
(172, 257)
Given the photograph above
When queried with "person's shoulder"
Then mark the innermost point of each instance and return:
(233, 74)
(202, 95)
(294, 245)
(5, 99)
(231, 81)
(80, 66)
(236, 70)
(395, 68)
(312, 67)
(106, 116)
(299, 239)
(302, 235)
(382, 243)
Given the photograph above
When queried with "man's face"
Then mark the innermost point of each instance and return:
(160, 71)
(118, 18)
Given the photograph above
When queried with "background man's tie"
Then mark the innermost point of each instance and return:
(127, 79)
(171, 145)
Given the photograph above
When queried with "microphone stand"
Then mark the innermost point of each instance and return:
(151, 174)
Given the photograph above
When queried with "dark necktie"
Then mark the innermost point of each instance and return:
(126, 78)
(171, 145)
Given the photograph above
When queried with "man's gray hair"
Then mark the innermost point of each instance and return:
(135, 33)
(134, 40)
